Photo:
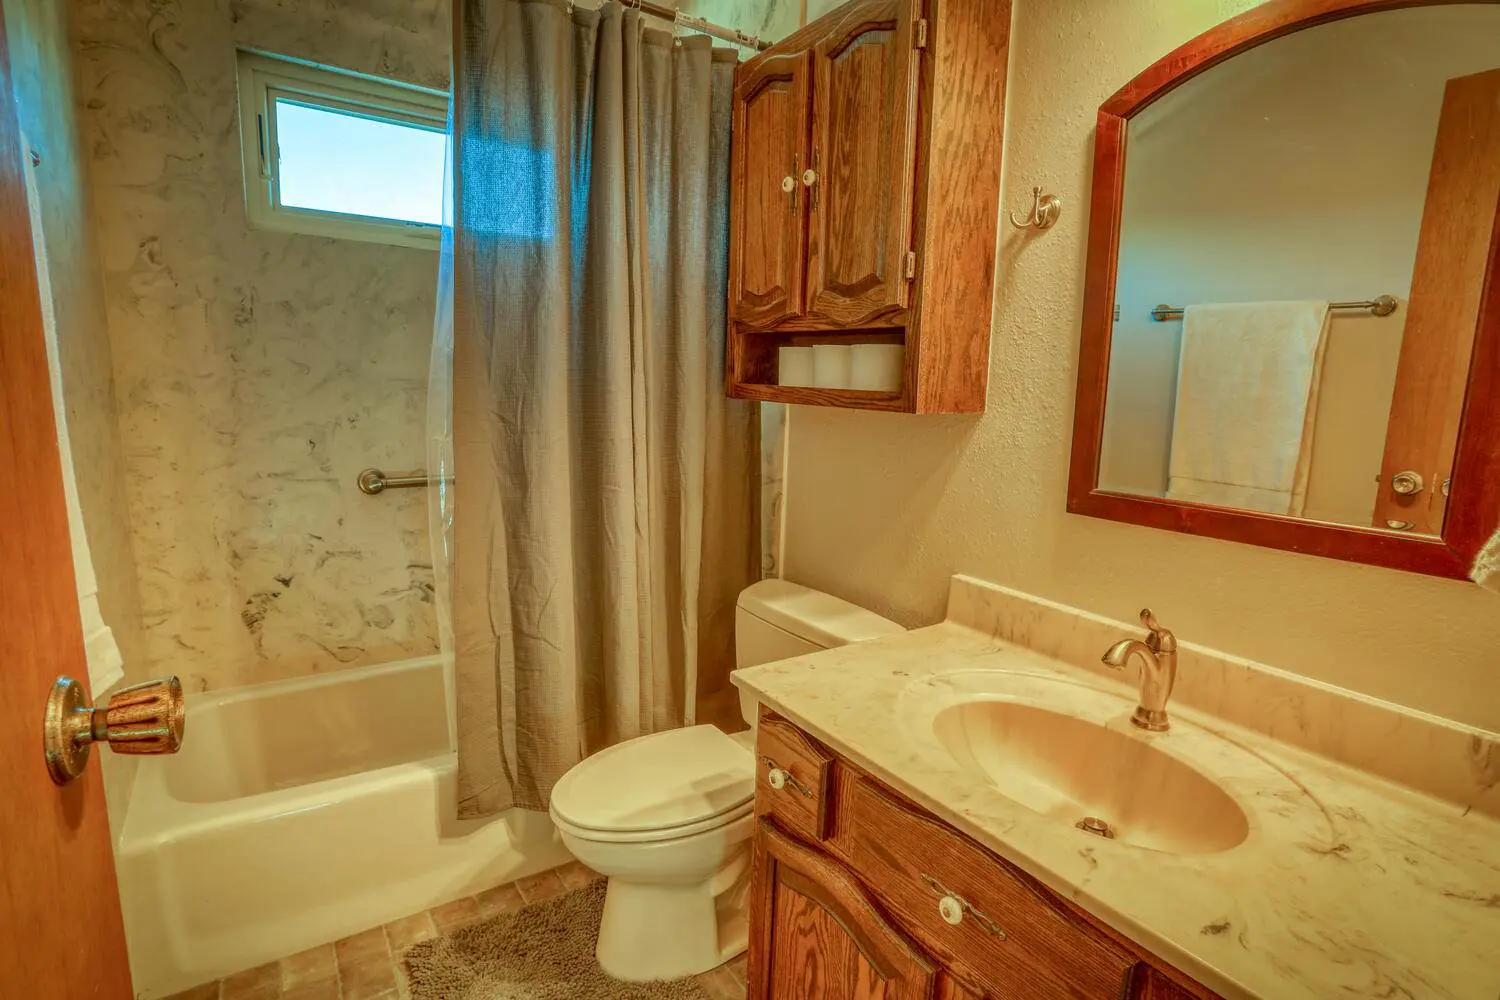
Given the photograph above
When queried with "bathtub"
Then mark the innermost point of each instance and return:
(299, 812)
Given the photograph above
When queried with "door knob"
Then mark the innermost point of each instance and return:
(1407, 483)
(144, 718)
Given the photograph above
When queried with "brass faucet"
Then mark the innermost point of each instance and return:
(1158, 671)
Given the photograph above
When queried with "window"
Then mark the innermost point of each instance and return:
(334, 153)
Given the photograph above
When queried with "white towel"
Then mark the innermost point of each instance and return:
(1247, 392)
(1486, 571)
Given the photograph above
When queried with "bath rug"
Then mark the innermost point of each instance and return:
(543, 951)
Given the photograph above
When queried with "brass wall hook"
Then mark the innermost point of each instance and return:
(1045, 209)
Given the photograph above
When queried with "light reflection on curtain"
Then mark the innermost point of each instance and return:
(607, 496)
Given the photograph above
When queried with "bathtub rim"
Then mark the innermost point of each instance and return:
(157, 817)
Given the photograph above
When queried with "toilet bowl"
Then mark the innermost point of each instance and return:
(668, 817)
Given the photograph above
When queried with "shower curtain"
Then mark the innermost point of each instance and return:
(604, 512)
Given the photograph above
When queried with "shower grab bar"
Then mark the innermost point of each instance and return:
(374, 482)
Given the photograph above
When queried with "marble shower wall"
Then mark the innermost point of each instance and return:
(771, 20)
(256, 372)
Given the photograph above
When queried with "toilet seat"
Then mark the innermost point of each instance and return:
(659, 787)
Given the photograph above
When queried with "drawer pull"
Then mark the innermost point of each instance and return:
(778, 778)
(952, 907)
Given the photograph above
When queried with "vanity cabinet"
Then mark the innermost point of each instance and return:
(864, 199)
(861, 894)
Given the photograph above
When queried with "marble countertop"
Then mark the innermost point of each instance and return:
(1348, 885)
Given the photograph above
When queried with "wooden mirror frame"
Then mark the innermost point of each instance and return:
(1473, 510)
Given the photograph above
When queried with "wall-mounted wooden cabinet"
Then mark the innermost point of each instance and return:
(864, 200)
(859, 893)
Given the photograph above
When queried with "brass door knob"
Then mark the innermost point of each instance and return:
(144, 718)
(1407, 483)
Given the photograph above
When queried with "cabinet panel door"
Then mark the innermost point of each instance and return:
(768, 244)
(863, 155)
(816, 935)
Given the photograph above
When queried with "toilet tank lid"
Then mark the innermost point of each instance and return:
(810, 614)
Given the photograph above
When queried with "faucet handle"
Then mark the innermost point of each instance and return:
(1160, 640)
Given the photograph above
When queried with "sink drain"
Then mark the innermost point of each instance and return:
(1096, 826)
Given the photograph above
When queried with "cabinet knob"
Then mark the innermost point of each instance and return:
(779, 777)
(809, 177)
(951, 909)
(1407, 483)
(789, 184)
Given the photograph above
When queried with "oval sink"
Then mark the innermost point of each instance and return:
(1104, 781)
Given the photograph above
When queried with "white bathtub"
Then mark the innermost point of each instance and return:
(299, 812)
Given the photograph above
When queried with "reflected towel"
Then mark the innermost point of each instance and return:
(1486, 571)
(1247, 393)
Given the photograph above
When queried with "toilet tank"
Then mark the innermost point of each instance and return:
(776, 619)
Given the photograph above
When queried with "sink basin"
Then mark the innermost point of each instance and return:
(1108, 781)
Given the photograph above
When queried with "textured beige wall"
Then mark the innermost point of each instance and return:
(257, 372)
(37, 38)
(882, 508)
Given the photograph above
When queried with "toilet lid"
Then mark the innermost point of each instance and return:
(657, 782)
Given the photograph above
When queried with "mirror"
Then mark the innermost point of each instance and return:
(1287, 285)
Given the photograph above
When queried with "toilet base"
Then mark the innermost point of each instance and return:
(656, 930)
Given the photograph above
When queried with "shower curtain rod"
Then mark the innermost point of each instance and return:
(699, 24)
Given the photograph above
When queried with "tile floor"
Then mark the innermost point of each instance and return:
(367, 966)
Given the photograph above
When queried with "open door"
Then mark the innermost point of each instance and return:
(1453, 248)
(59, 905)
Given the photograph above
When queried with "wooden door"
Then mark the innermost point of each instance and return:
(63, 935)
(816, 935)
(863, 163)
(768, 231)
(1453, 249)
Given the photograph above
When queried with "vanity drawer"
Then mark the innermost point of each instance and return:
(793, 777)
(1012, 939)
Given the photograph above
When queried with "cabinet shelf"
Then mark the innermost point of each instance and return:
(854, 399)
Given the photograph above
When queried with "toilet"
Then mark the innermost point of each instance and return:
(668, 817)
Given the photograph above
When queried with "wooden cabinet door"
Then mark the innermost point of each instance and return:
(863, 156)
(768, 232)
(816, 935)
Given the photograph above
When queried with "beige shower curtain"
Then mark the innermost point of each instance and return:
(606, 499)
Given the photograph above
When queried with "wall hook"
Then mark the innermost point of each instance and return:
(1045, 208)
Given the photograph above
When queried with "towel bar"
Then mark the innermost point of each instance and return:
(1382, 306)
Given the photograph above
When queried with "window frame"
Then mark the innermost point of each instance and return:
(265, 78)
